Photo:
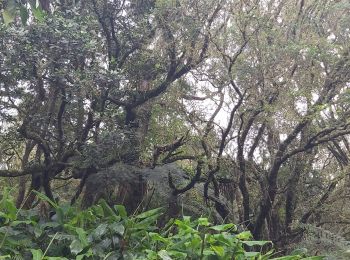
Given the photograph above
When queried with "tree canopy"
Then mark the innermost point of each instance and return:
(250, 97)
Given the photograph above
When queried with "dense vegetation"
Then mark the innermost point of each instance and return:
(102, 232)
(239, 108)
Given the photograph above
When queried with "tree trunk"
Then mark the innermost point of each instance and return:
(301, 162)
(23, 179)
(136, 129)
(35, 182)
(35, 185)
(299, 165)
(268, 199)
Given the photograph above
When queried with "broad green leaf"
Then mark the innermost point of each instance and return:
(108, 211)
(38, 14)
(164, 255)
(117, 228)
(65, 237)
(224, 238)
(256, 243)
(82, 236)
(10, 209)
(82, 256)
(18, 222)
(146, 223)
(186, 219)
(76, 247)
(245, 235)
(203, 222)
(219, 250)
(37, 254)
(252, 254)
(45, 198)
(150, 213)
(184, 226)
(195, 241)
(224, 227)
(100, 230)
(208, 252)
(121, 210)
(177, 254)
(291, 257)
(151, 254)
(157, 237)
(49, 224)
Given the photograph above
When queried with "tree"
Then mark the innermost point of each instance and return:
(285, 84)
(250, 96)
(87, 70)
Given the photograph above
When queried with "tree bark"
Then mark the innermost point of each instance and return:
(23, 179)
(299, 164)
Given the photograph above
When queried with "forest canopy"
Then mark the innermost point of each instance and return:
(250, 98)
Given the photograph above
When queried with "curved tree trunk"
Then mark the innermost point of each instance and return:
(35, 185)
(23, 179)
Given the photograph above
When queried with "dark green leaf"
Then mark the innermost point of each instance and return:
(223, 227)
(38, 14)
(76, 247)
(37, 254)
(150, 213)
(121, 210)
(256, 243)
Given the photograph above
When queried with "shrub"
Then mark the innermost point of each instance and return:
(104, 232)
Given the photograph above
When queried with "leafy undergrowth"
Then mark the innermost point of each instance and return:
(104, 232)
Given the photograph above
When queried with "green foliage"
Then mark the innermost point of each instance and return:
(322, 241)
(104, 232)
(15, 8)
(89, 84)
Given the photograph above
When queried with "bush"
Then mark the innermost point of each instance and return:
(104, 232)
